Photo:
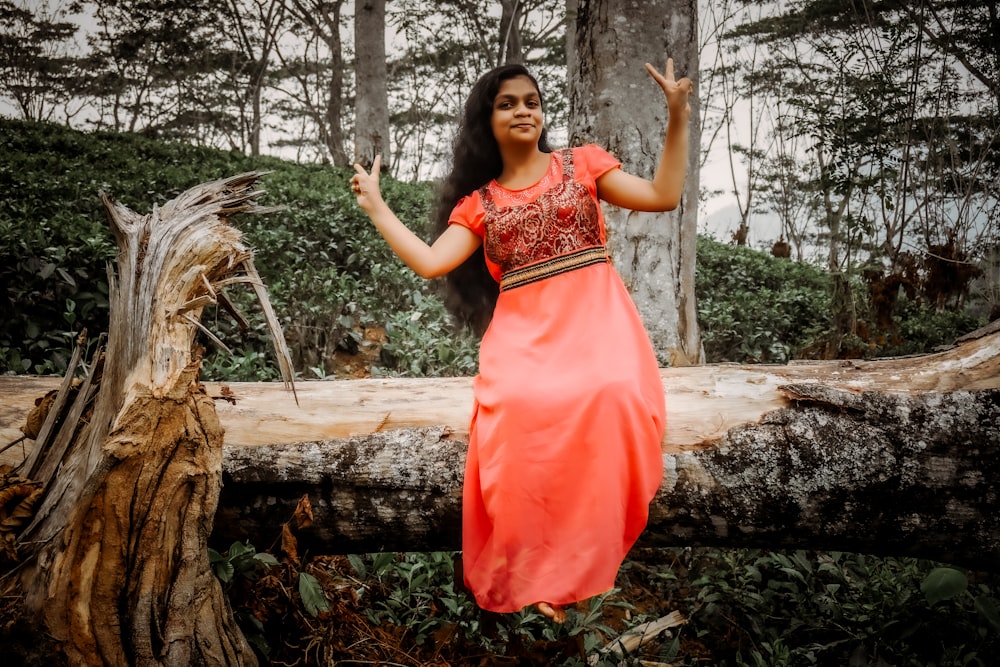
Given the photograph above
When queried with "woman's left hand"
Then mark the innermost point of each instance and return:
(677, 92)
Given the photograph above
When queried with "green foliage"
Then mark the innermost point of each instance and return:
(746, 607)
(418, 592)
(313, 598)
(800, 608)
(753, 307)
(241, 560)
(330, 276)
(922, 328)
(328, 272)
(415, 591)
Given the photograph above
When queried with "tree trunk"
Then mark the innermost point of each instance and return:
(371, 109)
(323, 18)
(511, 51)
(614, 103)
(894, 456)
(115, 557)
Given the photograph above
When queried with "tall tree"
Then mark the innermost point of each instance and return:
(371, 103)
(511, 50)
(446, 46)
(614, 103)
(321, 84)
(894, 108)
(151, 62)
(255, 28)
(34, 63)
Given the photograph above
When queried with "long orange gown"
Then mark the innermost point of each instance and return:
(564, 443)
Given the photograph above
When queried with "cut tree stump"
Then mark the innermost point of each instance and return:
(894, 457)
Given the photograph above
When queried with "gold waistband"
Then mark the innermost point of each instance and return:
(553, 267)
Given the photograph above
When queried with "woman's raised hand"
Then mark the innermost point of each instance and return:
(365, 185)
(677, 92)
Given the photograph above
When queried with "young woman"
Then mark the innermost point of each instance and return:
(564, 442)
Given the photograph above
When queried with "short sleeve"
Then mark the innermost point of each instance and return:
(469, 213)
(591, 162)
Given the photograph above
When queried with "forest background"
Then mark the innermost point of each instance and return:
(855, 140)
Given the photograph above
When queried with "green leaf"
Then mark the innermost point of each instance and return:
(358, 564)
(224, 571)
(265, 559)
(238, 549)
(313, 597)
(943, 583)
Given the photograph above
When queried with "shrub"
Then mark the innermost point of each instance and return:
(753, 307)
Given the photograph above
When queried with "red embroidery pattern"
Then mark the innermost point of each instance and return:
(561, 220)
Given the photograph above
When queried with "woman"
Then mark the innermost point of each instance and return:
(564, 442)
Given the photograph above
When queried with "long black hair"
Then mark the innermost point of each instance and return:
(470, 290)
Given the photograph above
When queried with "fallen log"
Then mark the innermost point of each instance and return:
(893, 456)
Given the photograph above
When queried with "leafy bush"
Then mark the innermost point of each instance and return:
(330, 276)
(753, 307)
(328, 272)
(799, 608)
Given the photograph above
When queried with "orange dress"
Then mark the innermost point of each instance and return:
(564, 443)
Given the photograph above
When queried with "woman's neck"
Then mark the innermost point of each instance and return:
(522, 168)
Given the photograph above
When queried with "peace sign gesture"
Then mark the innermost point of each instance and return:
(677, 92)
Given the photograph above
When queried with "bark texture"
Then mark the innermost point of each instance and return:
(115, 562)
(371, 109)
(615, 103)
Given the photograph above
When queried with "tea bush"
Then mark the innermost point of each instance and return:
(328, 273)
(753, 307)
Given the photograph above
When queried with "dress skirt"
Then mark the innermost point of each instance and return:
(565, 442)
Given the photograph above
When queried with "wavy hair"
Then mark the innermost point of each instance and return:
(470, 291)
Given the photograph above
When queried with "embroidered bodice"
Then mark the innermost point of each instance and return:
(561, 220)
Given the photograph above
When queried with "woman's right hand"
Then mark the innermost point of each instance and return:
(676, 92)
(365, 186)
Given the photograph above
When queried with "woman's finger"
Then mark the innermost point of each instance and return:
(670, 70)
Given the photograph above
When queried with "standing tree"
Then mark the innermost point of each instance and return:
(511, 50)
(255, 26)
(34, 65)
(152, 64)
(896, 125)
(613, 103)
(371, 105)
(320, 95)
(446, 46)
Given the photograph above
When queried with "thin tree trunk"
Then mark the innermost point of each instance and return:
(510, 51)
(371, 109)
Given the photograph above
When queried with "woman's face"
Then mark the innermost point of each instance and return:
(517, 112)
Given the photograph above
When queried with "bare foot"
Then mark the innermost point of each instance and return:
(555, 612)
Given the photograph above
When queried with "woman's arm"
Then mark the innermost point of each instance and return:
(663, 192)
(450, 249)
